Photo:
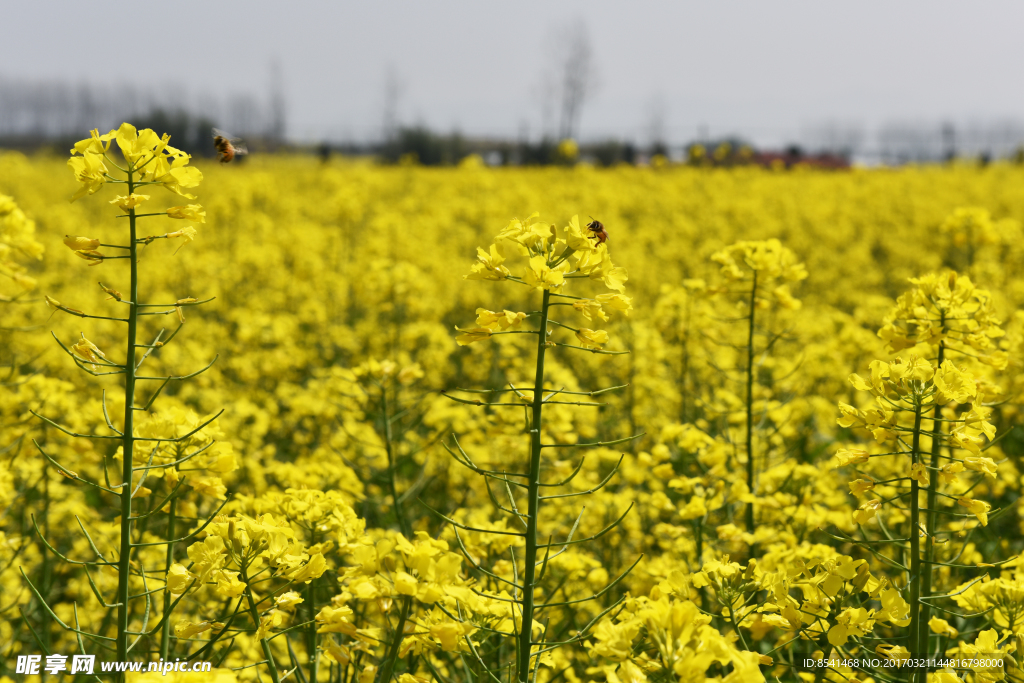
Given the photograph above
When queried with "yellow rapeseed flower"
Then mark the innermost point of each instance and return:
(978, 508)
(191, 212)
(472, 335)
(81, 243)
(592, 339)
(128, 202)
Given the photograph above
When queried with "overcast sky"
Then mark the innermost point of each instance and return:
(765, 69)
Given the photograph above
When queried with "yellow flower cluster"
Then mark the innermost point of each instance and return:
(17, 243)
(155, 159)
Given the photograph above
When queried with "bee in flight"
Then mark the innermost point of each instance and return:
(597, 231)
(227, 146)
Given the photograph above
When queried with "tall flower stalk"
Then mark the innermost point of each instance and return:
(756, 275)
(554, 257)
(148, 161)
(942, 316)
(384, 396)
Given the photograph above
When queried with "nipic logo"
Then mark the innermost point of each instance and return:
(55, 664)
(31, 665)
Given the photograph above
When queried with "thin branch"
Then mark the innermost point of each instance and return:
(600, 533)
(595, 596)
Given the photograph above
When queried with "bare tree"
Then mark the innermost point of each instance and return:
(657, 115)
(393, 88)
(573, 79)
(246, 116)
(837, 137)
(547, 92)
(276, 105)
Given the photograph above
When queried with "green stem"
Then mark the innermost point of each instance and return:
(255, 616)
(970, 245)
(46, 573)
(750, 408)
(165, 634)
(736, 627)
(396, 505)
(915, 551)
(700, 561)
(530, 560)
(128, 442)
(311, 635)
(396, 642)
(931, 521)
(684, 375)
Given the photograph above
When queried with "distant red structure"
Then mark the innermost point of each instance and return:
(728, 153)
(792, 157)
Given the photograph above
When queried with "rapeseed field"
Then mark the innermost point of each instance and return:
(509, 424)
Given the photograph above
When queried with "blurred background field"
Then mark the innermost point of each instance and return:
(318, 265)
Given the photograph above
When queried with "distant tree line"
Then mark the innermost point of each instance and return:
(55, 113)
(436, 149)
